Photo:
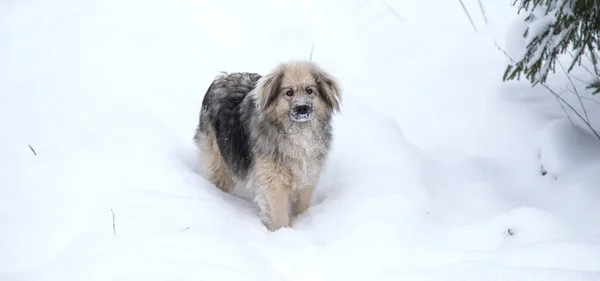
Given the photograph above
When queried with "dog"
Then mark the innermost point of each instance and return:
(271, 134)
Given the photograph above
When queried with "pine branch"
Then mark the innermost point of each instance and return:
(555, 26)
(562, 102)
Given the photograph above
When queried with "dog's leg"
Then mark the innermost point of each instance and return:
(222, 179)
(277, 199)
(302, 200)
(217, 171)
(273, 194)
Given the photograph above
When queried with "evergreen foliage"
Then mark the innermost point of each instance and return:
(555, 27)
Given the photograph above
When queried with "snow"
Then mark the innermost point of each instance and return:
(564, 146)
(435, 171)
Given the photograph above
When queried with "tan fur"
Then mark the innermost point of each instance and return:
(288, 156)
(302, 199)
(273, 184)
(295, 179)
(217, 171)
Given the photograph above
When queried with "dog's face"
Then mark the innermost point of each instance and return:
(299, 92)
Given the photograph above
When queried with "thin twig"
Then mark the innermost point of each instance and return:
(579, 79)
(482, 11)
(184, 229)
(596, 70)
(571, 107)
(312, 49)
(590, 99)
(393, 11)
(468, 15)
(503, 51)
(113, 222)
(32, 150)
(575, 91)
(562, 106)
(559, 98)
(583, 65)
(565, 111)
(596, 75)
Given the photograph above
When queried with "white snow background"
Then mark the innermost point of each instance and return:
(435, 172)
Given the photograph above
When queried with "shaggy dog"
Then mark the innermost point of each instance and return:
(271, 134)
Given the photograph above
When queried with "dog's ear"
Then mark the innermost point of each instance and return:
(329, 89)
(268, 88)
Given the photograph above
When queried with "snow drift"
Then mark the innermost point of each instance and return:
(435, 172)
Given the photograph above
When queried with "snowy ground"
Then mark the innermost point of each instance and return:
(435, 172)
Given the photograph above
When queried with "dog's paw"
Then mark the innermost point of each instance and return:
(276, 225)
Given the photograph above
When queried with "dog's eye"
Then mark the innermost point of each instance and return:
(309, 91)
(289, 93)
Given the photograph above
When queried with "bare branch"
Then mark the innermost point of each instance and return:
(583, 65)
(113, 222)
(579, 79)
(587, 118)
(572, 108)
(503, 51)
(393, 11)
(590, 99)
(312, 49)
(594, 74)
(561, 101)
(482, 11)
(468, 15)
(32, 150)
(562, 106)
(596, 70)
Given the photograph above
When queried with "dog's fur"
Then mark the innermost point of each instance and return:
(254, 131)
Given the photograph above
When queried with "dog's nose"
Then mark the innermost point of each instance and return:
(302, 109)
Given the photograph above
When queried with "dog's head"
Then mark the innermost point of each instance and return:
(299, 91)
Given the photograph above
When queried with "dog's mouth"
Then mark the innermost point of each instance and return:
(301, 117)
(302, 113)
